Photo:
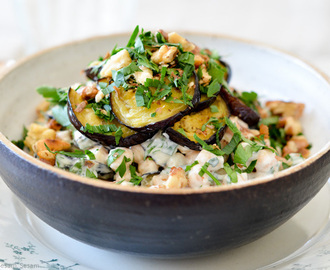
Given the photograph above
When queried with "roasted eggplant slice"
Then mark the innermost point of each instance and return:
(162, 113)
(203, 123)
(92, 72)
(80, 118)
(206, 101)
(239, 109)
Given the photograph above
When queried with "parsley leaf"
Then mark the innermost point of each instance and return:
(214, 108)
(189, 167)
(231, 173)
(229, 148)
(181, 131)
(76, 153)
(54, 95)
(122, 167)
(114, 154)
(242, 154)
(60, 114)
(213, 88)
(211, 148)
(135, 179)
(204, 170)
(131, 41)
(20, 143)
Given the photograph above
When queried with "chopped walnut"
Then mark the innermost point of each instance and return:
(164, 55)
(285, 109)
(81, 106)
(264, 130)
(199, 60)
(291, 125)
(263, 112)
(115, 62)
(89, 92)
(206, 77)
(53, 124)
(297, 144)
(176, 38)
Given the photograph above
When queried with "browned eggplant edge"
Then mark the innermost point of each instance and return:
(239, 109)
(180, 139)
(107, 140)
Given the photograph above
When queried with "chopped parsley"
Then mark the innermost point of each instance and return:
(87, 154)
(114, 155)
(205, 171)
(135, 179)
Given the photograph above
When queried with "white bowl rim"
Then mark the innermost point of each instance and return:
(175, 191)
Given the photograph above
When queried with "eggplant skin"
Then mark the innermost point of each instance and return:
(106, 140)
(92, 73)
(157, 125)
(239, 109)
(180, 139)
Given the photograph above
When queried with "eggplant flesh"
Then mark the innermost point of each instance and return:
(161, 113)
(87, 115)
(183, 131)
(239, 109)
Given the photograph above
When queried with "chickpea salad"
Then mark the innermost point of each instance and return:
(160, 113)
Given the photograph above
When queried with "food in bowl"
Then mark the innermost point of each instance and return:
(160, 113)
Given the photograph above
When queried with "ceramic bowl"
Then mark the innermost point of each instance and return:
(165, 222)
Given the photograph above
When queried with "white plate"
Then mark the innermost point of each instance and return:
(28, 243)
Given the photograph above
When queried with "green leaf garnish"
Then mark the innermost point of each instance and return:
(231, 173)
(211, 148)
(122, 167)
(205, 171)
(135, 179)
(76, 153)
(60, 114)
(214, 108)
(181, 131)
(114, 155)
(20, 143)
(213, 88)
(54, 95)
(189, 167)
(131, 41)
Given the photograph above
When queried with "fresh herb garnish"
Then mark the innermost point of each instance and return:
(114, 155)
(231, 173)
(214, 109)
(211, 148)
(20, 143)
(135, 179)
(205, 171)
(181, 131)
(189, 167)
(54, 95)
(60, 113)
(122, 167)
(76, 153)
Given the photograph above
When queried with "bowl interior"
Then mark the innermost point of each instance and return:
(270, 73)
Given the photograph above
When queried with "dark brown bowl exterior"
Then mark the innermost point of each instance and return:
(159, 223)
